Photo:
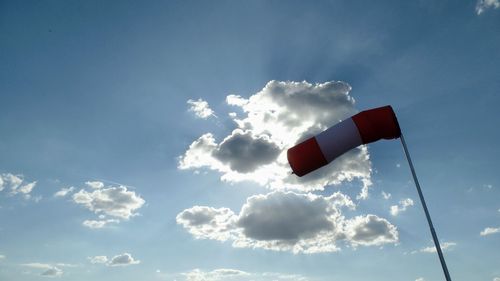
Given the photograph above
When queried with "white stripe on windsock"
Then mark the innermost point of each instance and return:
(338, 139)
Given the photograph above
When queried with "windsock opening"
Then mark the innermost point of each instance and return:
(305, 157)
(378, 123)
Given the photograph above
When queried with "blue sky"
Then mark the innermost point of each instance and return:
(115, 155)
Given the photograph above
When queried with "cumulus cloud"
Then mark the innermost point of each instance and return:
(370, 230)
(2, 257)
(16, 184)
(432, 249)
(420, 279)
(64, 191)
(489, 231)
(208, 223)
(403, 205)
(124, 259)
(200, 108)
(52, 272)
(225, 274)
(275, 119)
(483, 5)
(287, 221)
(114, 201)
(496, 279)
(245, 153)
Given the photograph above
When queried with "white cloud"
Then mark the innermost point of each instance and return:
(496, 279)
(64, 191)
(124, 259)
(11, 181)
(208, 223)
(48, 270)
(95, 184)
(2, 257)
(52, 272)
(275, 119)
(287, 221)
(200, 108)
(40, 265)
(370, 230)
(225, 274)
(244, 152)
(16, 184)
(98, 259)
(217, 274)
(117, 202)
(489, 231)
(27, 188)
(386, 196)
(37, 265)
(94, 224)
(432, 249)
(420, 279)
(403, 205)
(236, 100)
(483, 5)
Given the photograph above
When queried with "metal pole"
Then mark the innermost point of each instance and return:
(433, 232)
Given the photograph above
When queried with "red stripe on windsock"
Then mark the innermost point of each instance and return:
(377, 123)
(306, 157)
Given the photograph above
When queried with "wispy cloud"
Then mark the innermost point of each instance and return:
(98, 259)
(48, 269)
(483, 5)
(200, 108)
(95, 224)
(403, 205)
(386, 196)
(17, 185)
(489, 231)
(227, 274)
(10, 180)
(445, 246)
(94, 184)
(64, 191)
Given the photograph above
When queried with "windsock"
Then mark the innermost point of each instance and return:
(365, 127)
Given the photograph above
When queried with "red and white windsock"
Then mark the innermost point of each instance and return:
(365, 127)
